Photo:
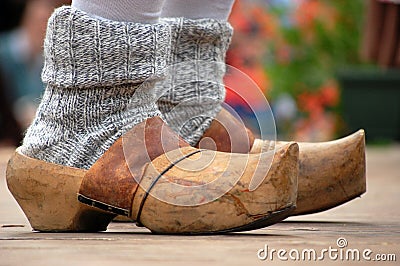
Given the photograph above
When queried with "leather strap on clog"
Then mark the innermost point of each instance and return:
(111, 183)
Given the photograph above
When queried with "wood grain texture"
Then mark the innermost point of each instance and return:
(47, 193)
(236, 206)
(331, 173)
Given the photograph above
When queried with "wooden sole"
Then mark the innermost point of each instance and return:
(47, 194)
(269, 219)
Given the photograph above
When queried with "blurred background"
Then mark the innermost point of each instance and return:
(22, 29)
(326, 67)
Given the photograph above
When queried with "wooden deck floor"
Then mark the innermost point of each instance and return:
(370, 222)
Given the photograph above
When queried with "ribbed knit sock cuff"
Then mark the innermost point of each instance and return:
(94, 70)
(193, 91)
(82, 51)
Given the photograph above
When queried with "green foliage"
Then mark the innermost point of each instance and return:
(317, 50)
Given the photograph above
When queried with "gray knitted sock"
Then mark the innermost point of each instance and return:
(93, 69)
(193, 92)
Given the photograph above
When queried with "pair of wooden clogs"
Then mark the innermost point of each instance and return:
(154, 177)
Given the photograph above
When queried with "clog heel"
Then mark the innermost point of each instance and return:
(47, 195)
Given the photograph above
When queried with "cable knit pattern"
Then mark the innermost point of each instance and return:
(94, 70)
(193, 91)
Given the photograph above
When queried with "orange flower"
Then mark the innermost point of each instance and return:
(307, 12)
(310, 103)
(314, 103)
(329, 94)
(311, 11)
(267, 23)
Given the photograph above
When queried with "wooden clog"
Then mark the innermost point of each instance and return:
(134, 177)
(331, 173)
